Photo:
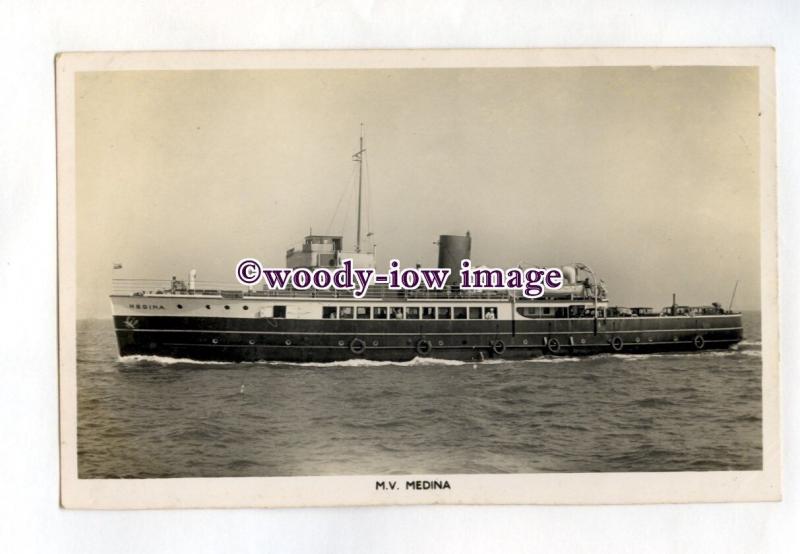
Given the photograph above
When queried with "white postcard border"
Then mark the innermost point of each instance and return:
(542, 488)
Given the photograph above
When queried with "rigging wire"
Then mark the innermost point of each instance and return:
(368, 202)
(344, 203)
(345, 190)
(368, 196)
(352, 191)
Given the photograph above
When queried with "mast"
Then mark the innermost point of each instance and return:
(733, 295)
(359, 157)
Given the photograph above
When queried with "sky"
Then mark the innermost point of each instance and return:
(648, 175)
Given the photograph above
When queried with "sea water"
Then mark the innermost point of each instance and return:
(159, 417)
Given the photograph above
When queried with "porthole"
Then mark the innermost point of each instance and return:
(341, 343)
(374, 343)
(215, 340)
(208, 306)
(251, 342)
(637, 339)
(463, 342)
(441, 343)
(524, 341)
(674, 339)
(583, 341)
(245, 308)
(287, 342)
(180, 306)
(227, 307)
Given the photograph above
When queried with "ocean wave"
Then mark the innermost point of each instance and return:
(653, 402)
(535, 360)
(554, 359)
(673, 355)
(633, 357)
(750, 343)
(360, 362)
(751, 353)
(140, 359)
(730, 353)
(143, 360)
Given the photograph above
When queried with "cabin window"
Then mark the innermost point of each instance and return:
(460, 312)
(412, 313)
(546, 311)
(429, 312)
(379, 312)
(475, 313)
(561, 312)
(328, 312)
(443, 313)
(396, 313)
(346, 312)
(362, 312)
(528, 312)
(490, 313)
(278, 311)
(576, 311)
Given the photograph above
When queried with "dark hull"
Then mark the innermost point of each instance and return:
(232, 339)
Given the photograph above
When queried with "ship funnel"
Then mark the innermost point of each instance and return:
(453, 249)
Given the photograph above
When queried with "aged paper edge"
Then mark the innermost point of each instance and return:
(543, 488)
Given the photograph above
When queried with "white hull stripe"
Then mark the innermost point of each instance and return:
(463, 347)
(492, 333)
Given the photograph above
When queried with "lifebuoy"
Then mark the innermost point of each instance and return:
(553, 345)
(699, 342)
(424, 347)
(498, 347)
(617, 344)
(357, 346)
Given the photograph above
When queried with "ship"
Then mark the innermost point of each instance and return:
(198, 321)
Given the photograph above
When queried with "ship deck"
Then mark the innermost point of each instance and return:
(149, 287)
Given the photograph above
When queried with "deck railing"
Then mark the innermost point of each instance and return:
(141, 287)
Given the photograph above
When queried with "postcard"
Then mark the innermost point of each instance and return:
(332, 278)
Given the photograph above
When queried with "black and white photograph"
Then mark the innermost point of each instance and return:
(249, 248)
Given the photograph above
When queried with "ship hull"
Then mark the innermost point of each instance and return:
(320, 341)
